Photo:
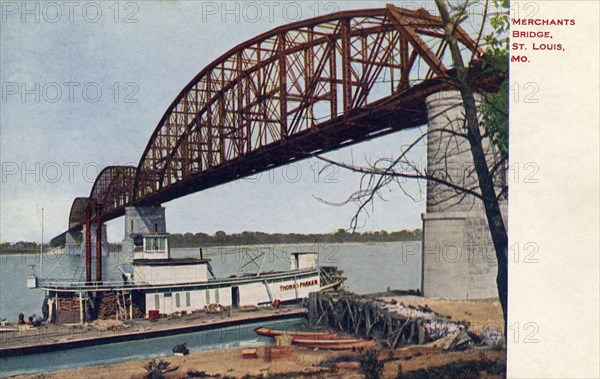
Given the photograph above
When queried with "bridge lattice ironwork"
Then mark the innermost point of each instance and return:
(295, 91)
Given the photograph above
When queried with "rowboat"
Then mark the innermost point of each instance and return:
(293, 334)
(336, 344)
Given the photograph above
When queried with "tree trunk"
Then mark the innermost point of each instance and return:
(486, 184)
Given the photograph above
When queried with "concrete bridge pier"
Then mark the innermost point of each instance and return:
(142, 220)
(105, 245)
(459, 260)
(71, 245)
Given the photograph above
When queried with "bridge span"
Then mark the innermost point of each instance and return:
(298, 90)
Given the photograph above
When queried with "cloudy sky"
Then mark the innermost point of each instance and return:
(85, 84)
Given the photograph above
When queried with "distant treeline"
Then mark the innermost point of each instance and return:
(260, 238)
(20, 247)
(221, 238)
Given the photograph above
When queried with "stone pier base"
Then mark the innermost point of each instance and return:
(142, 220)
(459, 260)
(71, 245)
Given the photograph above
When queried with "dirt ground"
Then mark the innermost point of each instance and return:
(229, 363)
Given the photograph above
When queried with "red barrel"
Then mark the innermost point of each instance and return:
(276, 303)
(153, 314)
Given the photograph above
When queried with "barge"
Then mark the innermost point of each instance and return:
(159, 285)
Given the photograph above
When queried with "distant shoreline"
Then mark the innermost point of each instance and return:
(58, 251)
(53, 251)
(292, 244)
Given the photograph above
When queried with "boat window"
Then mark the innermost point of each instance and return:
(187, 299)
(155, 244)
(177, 300)
(217, 296)
(207, 297)
(157, 301)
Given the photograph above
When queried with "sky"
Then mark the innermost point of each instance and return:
(84, 84)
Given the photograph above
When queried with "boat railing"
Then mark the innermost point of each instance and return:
(84, 285)
(111, 285)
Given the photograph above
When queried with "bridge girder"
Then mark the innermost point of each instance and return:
(310, 86)
(292, 80)
(113, 189)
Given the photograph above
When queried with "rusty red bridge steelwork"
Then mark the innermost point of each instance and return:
(298, 90)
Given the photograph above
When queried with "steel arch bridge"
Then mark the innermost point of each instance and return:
(292, 92)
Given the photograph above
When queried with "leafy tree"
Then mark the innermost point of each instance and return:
(484, 174)
(495, 108)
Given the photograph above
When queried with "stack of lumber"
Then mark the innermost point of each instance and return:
(68, 304)
(109, 307)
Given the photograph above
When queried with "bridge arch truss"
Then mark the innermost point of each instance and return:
(299, 89)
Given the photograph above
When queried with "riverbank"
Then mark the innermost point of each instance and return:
(302, 363)
(480, 314)
(328, 364)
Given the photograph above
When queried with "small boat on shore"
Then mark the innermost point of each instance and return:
(294, 334)
(336, 344)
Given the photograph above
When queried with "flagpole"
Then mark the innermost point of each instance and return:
(42, 248)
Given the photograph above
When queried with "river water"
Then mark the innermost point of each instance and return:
(233, 337)
(369, 268)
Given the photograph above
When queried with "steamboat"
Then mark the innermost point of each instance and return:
(158, 285)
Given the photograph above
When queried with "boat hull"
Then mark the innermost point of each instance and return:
(295, 334)
(336, 344)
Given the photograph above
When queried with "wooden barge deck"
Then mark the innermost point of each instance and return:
(50, 337)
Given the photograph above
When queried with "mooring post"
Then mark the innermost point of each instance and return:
(80, 307)
(312, 308)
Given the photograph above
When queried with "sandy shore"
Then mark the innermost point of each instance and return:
(229, 363)
(223, 362)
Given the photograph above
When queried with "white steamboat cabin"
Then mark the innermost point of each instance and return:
(160, 285)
